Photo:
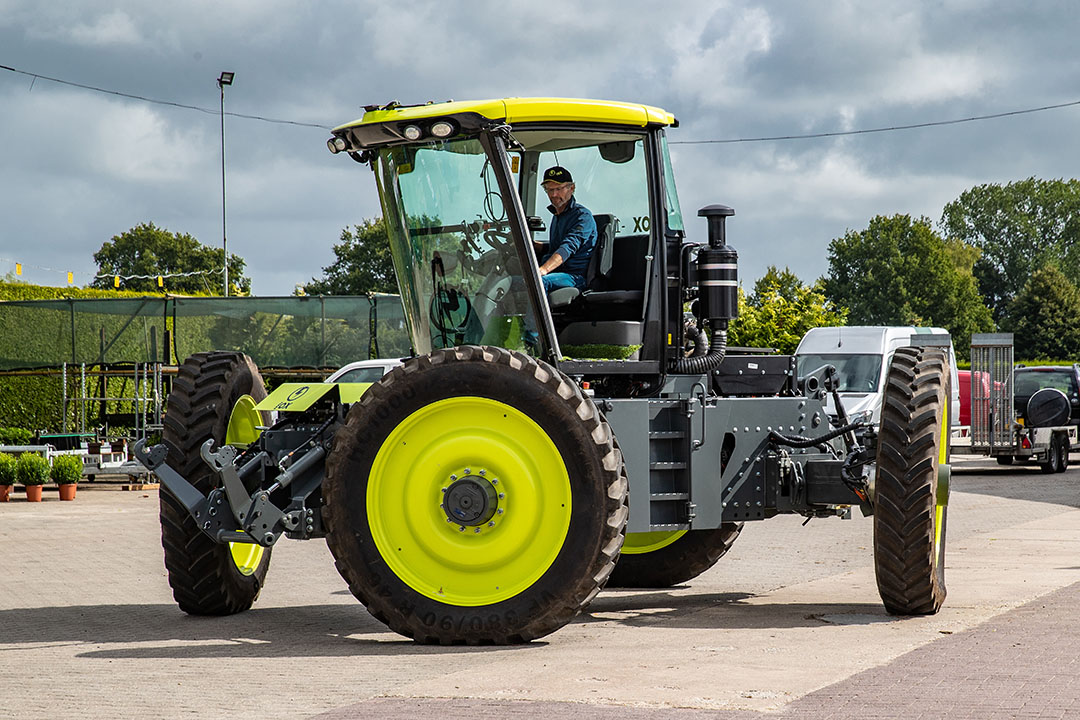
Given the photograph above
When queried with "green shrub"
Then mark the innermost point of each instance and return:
(7, 469)
(31, 469)
(66, 469)
(15, 436)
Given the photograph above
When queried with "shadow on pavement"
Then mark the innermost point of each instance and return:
(724, 611)
(1020, 482)
(164, 632)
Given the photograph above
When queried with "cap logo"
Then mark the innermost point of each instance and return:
(557, 174)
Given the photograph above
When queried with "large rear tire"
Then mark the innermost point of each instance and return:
(911, 489)
(665, 559)
(211, 397)
(475, 496)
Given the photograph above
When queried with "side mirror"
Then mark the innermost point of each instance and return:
(1048, 408)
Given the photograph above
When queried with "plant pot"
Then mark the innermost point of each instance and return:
(33, 493)
(67, 491)
(5, 492)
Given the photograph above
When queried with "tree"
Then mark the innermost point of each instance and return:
(900, 272)
(141, 254)
(780, 311)
(1045, 317)
(1018, 227)
(363, 263)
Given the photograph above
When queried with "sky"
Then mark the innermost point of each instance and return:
(78, 167)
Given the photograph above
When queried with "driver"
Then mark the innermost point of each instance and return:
(572, 237)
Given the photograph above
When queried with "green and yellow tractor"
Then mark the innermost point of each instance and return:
(537, 447)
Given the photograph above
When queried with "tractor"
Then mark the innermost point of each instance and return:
(536, 448)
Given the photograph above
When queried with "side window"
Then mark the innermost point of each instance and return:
(608, 179)
(674, 212)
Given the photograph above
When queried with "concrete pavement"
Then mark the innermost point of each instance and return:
(789, 624)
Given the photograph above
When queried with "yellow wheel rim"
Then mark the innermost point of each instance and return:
(941, 498)
(492, 450)
(246, 557)
(244, 422)
(243, 429)
(647, 542)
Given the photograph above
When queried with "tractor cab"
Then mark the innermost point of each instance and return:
(460, 189)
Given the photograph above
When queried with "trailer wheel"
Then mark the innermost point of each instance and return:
(665, 559)
(213, 396)
(1053, 457)
(475, 496)
(911, 491)
(1004, 459)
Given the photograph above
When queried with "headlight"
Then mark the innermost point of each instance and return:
(336, 144)
(442, 129)
(411, 132)
(866, 417)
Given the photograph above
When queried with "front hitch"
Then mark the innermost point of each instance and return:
(253, 518)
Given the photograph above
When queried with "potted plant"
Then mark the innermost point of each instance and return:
(7, 475)
(66, 472)
(32, 471)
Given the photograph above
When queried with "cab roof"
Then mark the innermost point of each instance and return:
(522, 110)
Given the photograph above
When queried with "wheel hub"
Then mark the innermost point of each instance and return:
(470, 500)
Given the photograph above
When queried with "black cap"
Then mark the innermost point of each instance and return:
(557, 174)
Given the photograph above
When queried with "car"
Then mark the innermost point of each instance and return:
(964, 378)
(364, 371)
(1027, 380)
(861, 356)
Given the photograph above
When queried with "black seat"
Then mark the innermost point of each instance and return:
(598, 273)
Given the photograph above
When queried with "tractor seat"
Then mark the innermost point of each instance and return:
(598, 274)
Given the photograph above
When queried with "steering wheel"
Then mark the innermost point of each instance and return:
(450, 310)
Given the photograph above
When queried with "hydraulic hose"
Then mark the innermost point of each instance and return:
(696, 335)
(699, 364)
(797, 441)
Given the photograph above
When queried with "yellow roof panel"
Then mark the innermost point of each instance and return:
(527, 110)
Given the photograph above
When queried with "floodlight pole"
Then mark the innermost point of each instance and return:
(226, 78)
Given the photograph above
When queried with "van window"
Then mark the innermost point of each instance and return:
(858, 373)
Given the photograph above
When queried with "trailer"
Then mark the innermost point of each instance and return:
(1038, 432)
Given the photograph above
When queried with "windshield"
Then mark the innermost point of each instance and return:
(362, 375)
(456, 265)
(858, 373)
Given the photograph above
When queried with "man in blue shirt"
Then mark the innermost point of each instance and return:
(571, 237)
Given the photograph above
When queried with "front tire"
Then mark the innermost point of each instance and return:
(666, 559)
(912, 484)
(207, 578)
(475, 496)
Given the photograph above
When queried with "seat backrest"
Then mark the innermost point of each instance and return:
(629, 263)
(599, 271)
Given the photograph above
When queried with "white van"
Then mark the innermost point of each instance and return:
(861, 355)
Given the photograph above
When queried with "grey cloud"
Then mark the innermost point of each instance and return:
(80, 167)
